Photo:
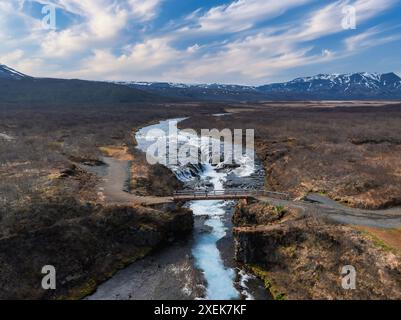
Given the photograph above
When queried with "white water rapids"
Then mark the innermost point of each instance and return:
(220, 279)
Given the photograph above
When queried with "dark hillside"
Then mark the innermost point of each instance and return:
(59, 92)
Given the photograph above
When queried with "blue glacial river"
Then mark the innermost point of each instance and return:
(219, 278)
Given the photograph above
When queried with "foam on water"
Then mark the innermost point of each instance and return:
(6, 137)
(246, 168)
(244, 278)
(220, 280)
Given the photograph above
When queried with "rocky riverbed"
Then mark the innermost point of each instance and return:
(203, 267)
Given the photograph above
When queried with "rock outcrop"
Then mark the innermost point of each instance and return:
(85, 250)
(301, 257)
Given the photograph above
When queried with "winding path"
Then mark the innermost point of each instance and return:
(314, 204)
(324, 207)
(113, 184)
(115, 176)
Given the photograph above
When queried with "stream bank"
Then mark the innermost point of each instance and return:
(204, 266)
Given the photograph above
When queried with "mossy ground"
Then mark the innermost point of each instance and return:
(265, 277)
(90, 285)
(387, 239)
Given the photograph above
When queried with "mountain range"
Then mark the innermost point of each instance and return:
(11, 74)
(16, 87)
(361, 85)
(19, 89)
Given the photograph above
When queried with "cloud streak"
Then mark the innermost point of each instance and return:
(242, 41)
(240, 15)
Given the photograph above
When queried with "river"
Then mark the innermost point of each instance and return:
(202, 267)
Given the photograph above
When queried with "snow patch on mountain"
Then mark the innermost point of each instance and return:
(9, 73)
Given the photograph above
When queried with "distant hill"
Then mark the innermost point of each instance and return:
(17, 88)
(211, 92)
(11, 74)
(339, 86)
(320, 87)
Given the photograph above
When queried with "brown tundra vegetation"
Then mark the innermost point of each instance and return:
(50, 208)
(51, 211)
(348, 151)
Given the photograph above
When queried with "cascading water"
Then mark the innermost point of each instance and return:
(220, 278)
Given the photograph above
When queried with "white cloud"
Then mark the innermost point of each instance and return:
(102, 43)
(140, 60)
(239, 15)
(13, 21)
(103, 20)
(252, 59)
(327, 53)
(12, 57)
(102, 23)
(21, 62)
(360, 40)
(369, 38)
(144, 9)
(328, 19)
(59, 44)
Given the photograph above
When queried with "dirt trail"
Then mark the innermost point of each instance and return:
(117, 171)
(167, 274)
(113, 184)
(327, 208)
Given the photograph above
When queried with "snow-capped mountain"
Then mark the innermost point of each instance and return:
(186, 86)
(361, 85)
(9, 73)
(212, 91)
(353, 86)
(341, 86)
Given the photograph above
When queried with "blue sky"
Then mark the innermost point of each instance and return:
(200, 41)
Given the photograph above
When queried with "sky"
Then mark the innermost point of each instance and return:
(249, 42)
